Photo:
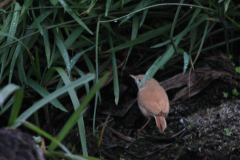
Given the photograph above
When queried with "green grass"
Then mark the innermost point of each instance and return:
(54, 48)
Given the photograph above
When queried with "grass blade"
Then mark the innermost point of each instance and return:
(143, 17)
(185, 61)
(18, 97)
(74, 16)
(78, 55)
(44, 93)
(108, 3)
(76, 104)
(12, 65)
(8, 105)
(26, 114)
(82, 74)
(37, 23)
(45, 134)
(142, 38)
(47, 46)
(63, 51)
(12, 31)
(7, 91)
(202, 41)
(78, 113)
(115, 72)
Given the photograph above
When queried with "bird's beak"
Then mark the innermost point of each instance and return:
(132, 76)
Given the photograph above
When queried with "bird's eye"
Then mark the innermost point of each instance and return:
(139, 80)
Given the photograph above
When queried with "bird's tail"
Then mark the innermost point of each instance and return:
(160, 122)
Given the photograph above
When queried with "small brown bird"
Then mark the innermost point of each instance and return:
(152, 101)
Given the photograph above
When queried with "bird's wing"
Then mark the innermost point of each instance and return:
(154, 100)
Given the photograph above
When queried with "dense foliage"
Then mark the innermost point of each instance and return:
(54, 48)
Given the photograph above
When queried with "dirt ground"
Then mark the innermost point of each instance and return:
(203, 122)
(204, 126)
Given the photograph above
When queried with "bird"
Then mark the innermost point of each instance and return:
(152, 101)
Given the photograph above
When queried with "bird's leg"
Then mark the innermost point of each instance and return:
(140, 130)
